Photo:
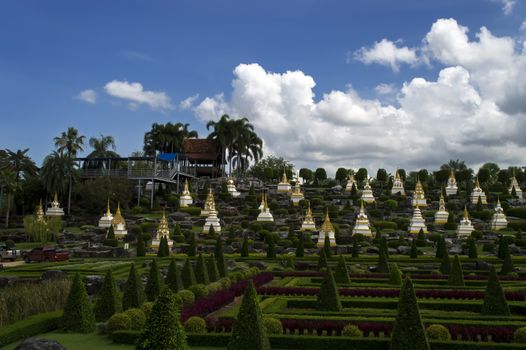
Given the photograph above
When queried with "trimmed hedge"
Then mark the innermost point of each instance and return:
(31, 326)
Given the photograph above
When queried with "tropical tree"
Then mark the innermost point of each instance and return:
(58, 173)
(223, 134)
(10, 186)
(21, 163)
(166, 138)
(455, 165)
(103, 147)
(70, 142)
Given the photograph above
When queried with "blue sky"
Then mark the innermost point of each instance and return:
(50, 51)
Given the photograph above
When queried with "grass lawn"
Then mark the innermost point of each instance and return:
(88, 342)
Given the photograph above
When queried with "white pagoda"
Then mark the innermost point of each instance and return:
(451, 188)
(362, 225)
(478, 193)
(208, 202)
(441, 215)
(163, 230)
(417, 222)
(351, 181)
(515, 185)
(284, 185)
(265, 214)
(119, 224)
(499, 220)
(231, 187)
(296, 195)
(212, 220)
(326, 230)
(398, 185)
(367, 193)
(185, 199)
(465, 227)
(55, 209)
(419, 198)
(107, 218)
(308, 223)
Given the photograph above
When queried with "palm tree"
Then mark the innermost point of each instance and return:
(223, 134)
(70, 142)
(58, 171)
(454, 165)
(21, 163)
(103, 147)
(247, 147)
(167, 138)
(10, 185)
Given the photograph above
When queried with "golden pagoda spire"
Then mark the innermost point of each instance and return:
(498, 200)
(265, 204)
(55, 197)
(361, 206)
(466, 216)
(397, 175)
(327, 226)
(309, 210)
(108, 212)
(40, 211)
(284, 178)
(452, 174)
(185, 188)
(477, 184)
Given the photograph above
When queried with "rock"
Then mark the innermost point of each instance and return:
(52, 274)
(93, 283)
(229, 250)
(7, 280)
(404, 250)
(372, 250)
(39, 344)
(259, 264)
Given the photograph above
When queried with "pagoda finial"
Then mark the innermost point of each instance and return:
(118, 208)
(284, 178)
(55, 197)
(466, 216)
(477, 184)
(108, 212)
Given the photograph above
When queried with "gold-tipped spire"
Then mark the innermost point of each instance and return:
(55, 197)
(477, 184)
(163, 230)
(108, 212)
(466, 215)
(327, 225)
(284, 178)
(397, 175)
(185, 188)
(265, 203)
(40, 211)
(309, 210)
(452, 174)
(118, 218)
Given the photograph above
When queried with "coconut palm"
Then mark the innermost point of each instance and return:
(58, 173)
(103, 147)
(167, 138)
(223, 134)
(20, 163)
(10, 186)
(70, 142)
(248, 147)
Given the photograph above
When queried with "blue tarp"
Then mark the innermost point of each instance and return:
(167, 156)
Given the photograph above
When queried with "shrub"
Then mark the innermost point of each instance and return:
(272, 325)
(195, 324)
(395, 275)
(163, 330)
(383, 263)
(199, 290)
(29, 327)
(187, 297)
(214, 287)
(244, 247)
(108, 301)
(193, 211)
(201, 270)
(456, 276)
(137, 318)
(341, 274)
(495, 303)
(438, 332)
(328, 297)
(188, 274)
(133, 295)
(507, 264)
(118, 322)
(351, 330)
(248, 331)
(322, 260)
(153, 285)
(408, 331)
(147, 308)
(141, 246)
(213, 271)
(173, 277)
(78, 314)
(520, 335)
(220, 258)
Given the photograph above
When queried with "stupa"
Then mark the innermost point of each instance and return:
(515, 185)
(212, 220)
(326, 230)
(398, 185)
(499, 218)
(362, 225)
(39, 212)
(209, 200)
(55, 209)
(119, 224)
(296, 195)
(419, 198)
(417, 222)
(465, 228)
(284, 185)
(308, 222)
(163, 230)
(367, 193)
(350, 182)
(265, 214)
(107, 218)
(452, 187)
(185, 199)
(441, 215)
(478, 193)
(231, 187)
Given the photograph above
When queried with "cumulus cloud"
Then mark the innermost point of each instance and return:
(89, 96)
(135, 94)
(387, 53)
(385, 89)
(473, 110)
(188, 102)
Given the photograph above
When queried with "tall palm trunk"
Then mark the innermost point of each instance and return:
(69, 197)
(8, 210)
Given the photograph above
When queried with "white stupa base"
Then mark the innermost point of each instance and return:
(421, 202)
(321, 239)
(296, 199)
(499, 222)
(368, 198)
(308, 227)
(156, 243)
(105, 221)
(265, 216)
(441, 217)
(414, 228)
(185, 201)
(451, 191)
(233, 191)
(464, 230)
(120, 233)
(215, 224)
(363, 230)
(55, 212)
(396, 190)
(475, 197)
(284, 187)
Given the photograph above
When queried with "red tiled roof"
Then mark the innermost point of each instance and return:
(204, 149)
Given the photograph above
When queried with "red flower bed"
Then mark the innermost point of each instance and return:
(414, 276)
(212, 302)
(388, 293)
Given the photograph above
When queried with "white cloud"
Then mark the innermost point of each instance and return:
(385, 89)
(507, 6)
(188, 102)
(387, 53)
(523, 26)
(135, 94)
(89, 96)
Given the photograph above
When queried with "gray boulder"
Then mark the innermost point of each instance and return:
(39, 344)
(52, 274)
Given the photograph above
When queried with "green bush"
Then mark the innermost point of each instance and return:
(194, 211)
(519, 212)
(328, 297)
(520, 335)
(456, 276)
(382, 225)
(173, 277)
(137, 318)
(118, 322)
(495, 303)
(133, 295)
(272, 325)
(188, 274)
(438, 332)
(214, 287)
(147, 308)
(78, 313)
(29, 327)
(341, 273)
(351, 330)
(199, 290)
(153, 284)
(201, 270)
(108, 301)
(195, 324)
(187, 297)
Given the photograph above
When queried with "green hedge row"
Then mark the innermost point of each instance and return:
(320, 342)
(515, 308)
(31, 326)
